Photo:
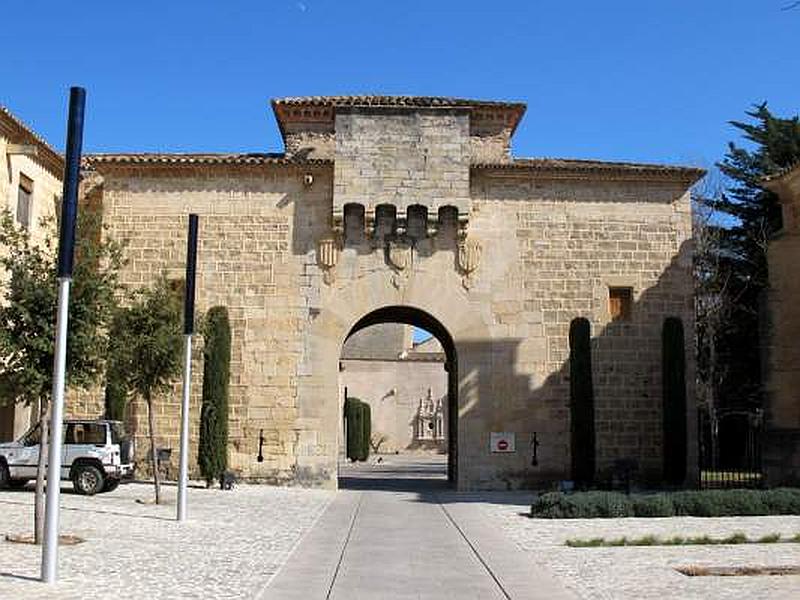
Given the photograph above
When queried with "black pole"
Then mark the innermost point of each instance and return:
(72, 168)
(191, 267)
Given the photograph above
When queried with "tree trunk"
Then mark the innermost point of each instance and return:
(41, 469)
(153, 453)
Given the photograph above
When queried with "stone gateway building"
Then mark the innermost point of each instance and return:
(413, 210)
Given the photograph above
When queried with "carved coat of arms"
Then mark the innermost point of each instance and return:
(327, 257)
(399, 255)
(469, 255)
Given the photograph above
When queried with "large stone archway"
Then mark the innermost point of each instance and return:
(440, 307)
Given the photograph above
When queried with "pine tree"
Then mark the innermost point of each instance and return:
(748, 215)
(213, 448)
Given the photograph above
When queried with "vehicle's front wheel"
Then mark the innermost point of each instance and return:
(5, 476)
(110, 485)
(87, 480)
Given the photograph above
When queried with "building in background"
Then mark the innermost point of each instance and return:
(30, 188)
(404, 383)
(782, 415)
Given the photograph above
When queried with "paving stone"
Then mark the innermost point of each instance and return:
(230, 547)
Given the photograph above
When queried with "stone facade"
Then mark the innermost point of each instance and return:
(495, 255)
(782, 427)
(30, 175)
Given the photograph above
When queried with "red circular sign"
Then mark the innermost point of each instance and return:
(502, 445)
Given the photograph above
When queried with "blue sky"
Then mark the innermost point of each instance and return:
(620, 80)
(632, 80)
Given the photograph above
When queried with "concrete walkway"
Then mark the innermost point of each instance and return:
(396, 532)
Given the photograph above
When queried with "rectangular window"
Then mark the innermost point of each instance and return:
(86, 433)
(24, 201)
(620, 302)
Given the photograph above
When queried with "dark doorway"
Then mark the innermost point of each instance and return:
(419, 319)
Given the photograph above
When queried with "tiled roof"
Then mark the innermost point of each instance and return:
(199, 159)
(412, 101)
(21, 133)
(595, 166)
(319, 110)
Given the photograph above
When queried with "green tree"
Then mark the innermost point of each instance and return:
(117, 390)
(213, 448)
(28, 318)
(150, 332)
(746, 216)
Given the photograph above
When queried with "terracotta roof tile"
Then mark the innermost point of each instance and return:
(22, 133)
(377, 100)
(199, 159)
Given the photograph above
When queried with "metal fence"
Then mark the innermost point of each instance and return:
(730, 448)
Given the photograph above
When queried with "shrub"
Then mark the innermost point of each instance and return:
(706, 503)
(213, 445)
(655, 505)
(719, 503)
(586, 505)
(782, 501)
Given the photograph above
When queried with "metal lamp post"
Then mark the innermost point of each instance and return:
(66, 252)
(188, 330)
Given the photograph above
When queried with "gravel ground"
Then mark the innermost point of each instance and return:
(643, 573)
(230, 547)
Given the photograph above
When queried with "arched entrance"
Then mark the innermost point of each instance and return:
(415, 317)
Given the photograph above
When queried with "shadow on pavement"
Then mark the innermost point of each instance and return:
(423, 476)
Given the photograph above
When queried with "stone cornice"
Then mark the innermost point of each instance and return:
(558, 168)
(192, 163)
(18, 132)
(318, 112)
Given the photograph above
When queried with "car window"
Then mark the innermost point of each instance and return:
(32, 437)
(118, 433)
(86, 433)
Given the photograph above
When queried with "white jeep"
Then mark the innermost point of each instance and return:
(96, 456)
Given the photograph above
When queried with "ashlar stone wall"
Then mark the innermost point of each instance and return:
(535, 247)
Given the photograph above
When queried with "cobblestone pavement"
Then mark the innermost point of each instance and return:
(230, 547)
(643, 573)
(235, 542)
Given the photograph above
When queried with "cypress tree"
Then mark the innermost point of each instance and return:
(117, 389)
(366, 433)
(355, 429)
(213, 448)
(581, 403)
(673, 370)
(357, 414)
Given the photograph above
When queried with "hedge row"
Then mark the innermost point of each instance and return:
(707, 503)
